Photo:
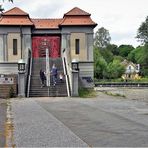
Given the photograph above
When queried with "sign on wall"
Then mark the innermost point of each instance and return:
(6, 80)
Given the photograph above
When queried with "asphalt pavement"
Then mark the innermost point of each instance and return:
(104, 121)
(36, 127)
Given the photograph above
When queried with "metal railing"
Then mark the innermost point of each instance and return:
(29, 73)
(65, 65)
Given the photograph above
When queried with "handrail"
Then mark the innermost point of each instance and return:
(67, 77)
(65, 65)
(29, 72)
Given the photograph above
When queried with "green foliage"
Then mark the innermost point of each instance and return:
(11, 92)
(108, 80)
(1, 8)
(142, 34)
(87, 93)
(140, 56)
(114, 70)
(119, 58)
(113, 48)
(9, 1)
(144, 79)
(143, 59)
(124, 50)
(107, 55)
(114, 94)
(99, 64)
(102, 38)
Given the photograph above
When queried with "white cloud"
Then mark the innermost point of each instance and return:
(121, 17)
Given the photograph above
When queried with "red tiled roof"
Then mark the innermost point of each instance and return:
(17, 20)
(15, 16)
(77, 20)
(76, 11)
(15, 11)
(76, 16)
(46, 23)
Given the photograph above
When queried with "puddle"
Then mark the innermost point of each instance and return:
(9, 128)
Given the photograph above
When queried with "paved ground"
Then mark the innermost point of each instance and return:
(140, 94)
(35, 127)
(2, 122)
(105, 121)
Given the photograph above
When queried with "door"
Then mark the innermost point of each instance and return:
(40, 43)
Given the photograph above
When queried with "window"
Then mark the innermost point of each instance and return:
(77, 46)
(14, 46)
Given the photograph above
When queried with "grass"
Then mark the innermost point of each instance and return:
(87, 93)
(114, 94)
(143, 79)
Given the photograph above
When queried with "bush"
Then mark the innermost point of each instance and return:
(11, 92)
(87, 93)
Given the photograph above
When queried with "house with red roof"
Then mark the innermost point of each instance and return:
(67, 38)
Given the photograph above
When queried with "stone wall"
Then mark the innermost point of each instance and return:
(7, 88)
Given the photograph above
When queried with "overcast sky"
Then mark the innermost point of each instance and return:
(121, 17)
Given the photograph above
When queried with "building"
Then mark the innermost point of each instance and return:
(131, 70)
(70, 37)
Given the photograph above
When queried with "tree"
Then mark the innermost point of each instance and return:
(1, 8)
(135, 54)
(115, 69)
(142, 59)
(99, 64)
(140, 56)
(102, 38)
(107, 55)
(9, 1)
(124, 50)
(142, 34)
(113, 48)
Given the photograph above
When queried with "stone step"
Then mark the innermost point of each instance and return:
(35, 86)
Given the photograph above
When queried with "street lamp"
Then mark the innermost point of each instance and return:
(21, 65)
(21, 78)
(75, 65)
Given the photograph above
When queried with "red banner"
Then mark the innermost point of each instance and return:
(40, 43)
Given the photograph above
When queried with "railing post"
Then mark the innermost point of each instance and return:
(47, 68)
(75, 83)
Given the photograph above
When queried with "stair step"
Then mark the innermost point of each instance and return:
(35, 85)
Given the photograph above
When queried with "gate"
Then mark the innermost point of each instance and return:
(41, 43)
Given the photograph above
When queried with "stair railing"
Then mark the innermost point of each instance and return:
(65, 65)
(29, 72)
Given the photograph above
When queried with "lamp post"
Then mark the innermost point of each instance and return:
(21, 66)
(75, 65)
(21, 78)
(75, 77)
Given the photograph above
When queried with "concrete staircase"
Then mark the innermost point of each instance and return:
(60, 90)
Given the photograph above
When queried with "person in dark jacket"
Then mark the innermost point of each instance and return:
(43, 78)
